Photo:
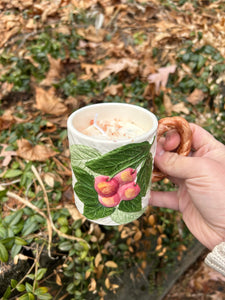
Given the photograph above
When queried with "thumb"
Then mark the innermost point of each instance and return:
(175, 165)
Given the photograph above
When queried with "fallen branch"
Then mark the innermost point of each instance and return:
(51, 225)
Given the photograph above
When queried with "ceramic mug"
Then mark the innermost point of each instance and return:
(112, 177)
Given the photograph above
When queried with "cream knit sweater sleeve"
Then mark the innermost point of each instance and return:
(216, 258)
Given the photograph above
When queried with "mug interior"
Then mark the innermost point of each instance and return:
(80, 119)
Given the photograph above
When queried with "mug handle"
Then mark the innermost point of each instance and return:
(184, 130)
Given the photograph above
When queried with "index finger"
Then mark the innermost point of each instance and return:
(201, 137)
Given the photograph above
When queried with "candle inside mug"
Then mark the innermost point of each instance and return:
(113, 129)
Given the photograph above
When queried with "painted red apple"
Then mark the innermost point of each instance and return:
(129, 191)
(105, 186)
(125, 176)
(109, 201)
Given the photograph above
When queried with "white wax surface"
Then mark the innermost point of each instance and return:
(113, 129)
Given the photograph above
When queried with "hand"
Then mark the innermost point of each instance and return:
(201, 184)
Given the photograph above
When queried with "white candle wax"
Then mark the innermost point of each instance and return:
(114, 129)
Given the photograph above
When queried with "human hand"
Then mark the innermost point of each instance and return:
(201, 184)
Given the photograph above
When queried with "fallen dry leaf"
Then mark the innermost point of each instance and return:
(99, 271)
(72, 103)
(92, 285)
(91, 68)
(92, 34)
(47, 8)
(83, 4)
(167, 104)
(6, 87)
(151, 220)
(7, 155)
(180, 108)
(196, 96)
(54, 73)
(98, 259)
(47, 102)
(107, 283)
(6, 120)
(137, 236)
(8, 35)
(20, 4)
(160, 79)
(34, 153)
(200, 280)
(114, 89)
(48, 127)
(111, 264)
(19, 257)
(31, 24)
(58, 279)
(116, 66)
(49, 179)
(74, 212)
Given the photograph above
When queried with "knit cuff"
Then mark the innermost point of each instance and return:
(216, 258)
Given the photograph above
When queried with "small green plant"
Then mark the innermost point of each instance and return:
(29, 291)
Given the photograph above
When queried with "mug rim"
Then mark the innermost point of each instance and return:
(142, 137)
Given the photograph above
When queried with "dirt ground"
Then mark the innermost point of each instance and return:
(198, 282)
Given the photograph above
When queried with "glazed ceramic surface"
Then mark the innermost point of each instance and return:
(112, 179)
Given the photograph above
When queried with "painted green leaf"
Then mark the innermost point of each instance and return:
(133, 205)
(83, 177)
(3, 253)
(81, 153)
(97, 211)
(86, 194)
(121, 217)
(144, 175)
(84, 187)
(119, 159)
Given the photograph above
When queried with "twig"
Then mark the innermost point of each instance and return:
(49, 212)
(27, 203)
(33, 265)
(48, 209)
(10, 183)
(64, 296)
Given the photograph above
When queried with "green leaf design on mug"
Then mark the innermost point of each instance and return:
(144, 175)
(121, 217)
(87, 163)
(94, 212)
(133, 205)
(113, 162)
(80, 154)
(84, 187)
